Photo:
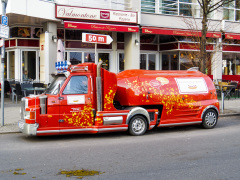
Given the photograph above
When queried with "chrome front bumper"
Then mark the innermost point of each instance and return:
(29, 129)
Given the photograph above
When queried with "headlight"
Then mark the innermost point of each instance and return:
(30, 115)
(27, 115)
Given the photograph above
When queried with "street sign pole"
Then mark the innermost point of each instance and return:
(96, 39)
(4, 2)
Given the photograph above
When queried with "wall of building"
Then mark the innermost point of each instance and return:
(32, 8)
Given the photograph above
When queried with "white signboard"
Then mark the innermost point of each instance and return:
(71, 12)
(191, 85)
(76, 99)
(4, 31)
(96, 38)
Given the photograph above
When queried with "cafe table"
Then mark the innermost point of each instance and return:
(228, 91)
(36, 90)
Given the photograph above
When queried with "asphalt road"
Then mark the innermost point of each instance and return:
(165, 153)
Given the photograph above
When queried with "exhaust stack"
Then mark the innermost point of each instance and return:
(99, 87)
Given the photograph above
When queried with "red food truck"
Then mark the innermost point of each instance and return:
(86, 98)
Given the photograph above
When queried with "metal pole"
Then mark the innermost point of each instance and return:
(96, 53)
(222, 94)
(2, 67)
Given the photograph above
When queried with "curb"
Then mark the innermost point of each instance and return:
(17, 131)
(230, 114)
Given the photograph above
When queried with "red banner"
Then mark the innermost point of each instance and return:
(232, 36)
(178, 32)
(100, 26)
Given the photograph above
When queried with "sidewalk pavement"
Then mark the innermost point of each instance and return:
(12, 113)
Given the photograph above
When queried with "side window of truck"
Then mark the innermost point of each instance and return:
(77, 85)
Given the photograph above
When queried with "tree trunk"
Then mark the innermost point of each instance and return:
(203, 42)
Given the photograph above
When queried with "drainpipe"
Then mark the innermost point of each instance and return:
(99, 87)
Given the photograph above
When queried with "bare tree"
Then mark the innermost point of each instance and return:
(193, 58)
(207, 7)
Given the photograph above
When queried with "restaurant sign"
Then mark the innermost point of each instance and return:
(71, 12)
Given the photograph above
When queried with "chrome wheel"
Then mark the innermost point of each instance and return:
(210, 119)
(137, 126)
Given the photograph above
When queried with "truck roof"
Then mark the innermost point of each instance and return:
(175, 73)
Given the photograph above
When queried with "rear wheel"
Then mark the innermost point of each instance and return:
(137, 126)
(210, 119)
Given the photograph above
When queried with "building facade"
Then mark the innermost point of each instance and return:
(147, 34)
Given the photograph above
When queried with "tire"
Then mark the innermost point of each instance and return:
(210, 119)
(137, 126)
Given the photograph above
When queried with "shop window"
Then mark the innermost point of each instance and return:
(238, 65)
(148, 61)
(170, 61)
(121, 62)
(11, 59)
(143, 61)
(5, 67)
(165, 62)
(89, 57)
(73, 34)
(231, 64)
(28, 65)
(188, 60)
(24, 32)
(148, 38)
(167, 38)
(120, 37)
(37, 32)
(151, 62)
(75, 58)
(60, 33)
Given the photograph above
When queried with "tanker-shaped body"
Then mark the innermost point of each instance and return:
(180, 96)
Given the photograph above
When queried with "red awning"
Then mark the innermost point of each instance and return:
(100, 26)
(177, 32)
(232, 36)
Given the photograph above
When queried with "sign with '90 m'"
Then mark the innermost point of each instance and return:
(96, 38)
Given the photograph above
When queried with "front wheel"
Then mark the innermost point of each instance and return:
(210, 119)
(137, 126)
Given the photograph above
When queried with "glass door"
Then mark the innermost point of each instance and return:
(148, 61)
(170, 61)
(30, 65)
(104, 57)
(10, 65)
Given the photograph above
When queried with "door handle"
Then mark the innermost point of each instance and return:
(60, 98)
(61, 120)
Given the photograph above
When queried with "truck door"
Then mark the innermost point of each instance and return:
(76, 103)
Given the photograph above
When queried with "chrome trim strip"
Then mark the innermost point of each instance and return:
(49, 131)
(209, 107)
(82, 130)
(113, 120)
(113, 114)
(174, 124)
(111, 129)
(66, 130)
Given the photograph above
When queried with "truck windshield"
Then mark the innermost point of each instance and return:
(54, 86)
